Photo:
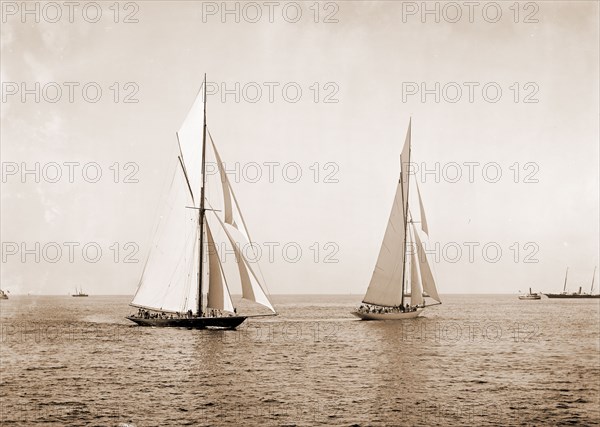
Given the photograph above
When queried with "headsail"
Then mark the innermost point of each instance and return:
(423, 218)
(416, 290)
(232, 213)
(218, 293)
(426, 275)
(252, 289)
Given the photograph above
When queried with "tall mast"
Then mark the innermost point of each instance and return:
(405, 212)
(201, 215)
(565, 286)
(593, 277)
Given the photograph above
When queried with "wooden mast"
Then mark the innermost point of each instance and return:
(405, 203)
(201, 215)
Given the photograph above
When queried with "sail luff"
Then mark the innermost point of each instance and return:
(593, 278)
(565, 285)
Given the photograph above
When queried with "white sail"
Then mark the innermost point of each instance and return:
(385, 287)
(416, 290)
(218, 294)
(252, 289)
(426, 275)
(231, 212)
(170, 279)
(423, 218)
(190, 143)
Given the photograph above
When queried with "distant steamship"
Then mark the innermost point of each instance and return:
(579, 294)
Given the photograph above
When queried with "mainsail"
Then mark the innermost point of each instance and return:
(170, 276)
(391, 270)
(171, 280)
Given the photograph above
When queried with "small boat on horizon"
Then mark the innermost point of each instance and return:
(401, 259)
(196, 222)
(530, 295)
(3, 295)
(575, 295)
(79, 293)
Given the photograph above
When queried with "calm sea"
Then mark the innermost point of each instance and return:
(476, 360)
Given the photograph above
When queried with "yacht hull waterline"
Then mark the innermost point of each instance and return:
(388, 316)
(230, 322)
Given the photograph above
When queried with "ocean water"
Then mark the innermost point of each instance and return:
(475, 360)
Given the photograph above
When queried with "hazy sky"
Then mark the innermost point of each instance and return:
(540, 131)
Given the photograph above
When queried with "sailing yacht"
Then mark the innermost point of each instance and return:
(200, 216)
(402, 261)
(3, 295)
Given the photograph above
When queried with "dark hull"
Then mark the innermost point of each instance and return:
(571, 296)
(192, 323)
(78, 296)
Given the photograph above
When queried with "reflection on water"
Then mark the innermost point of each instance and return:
(476, 360)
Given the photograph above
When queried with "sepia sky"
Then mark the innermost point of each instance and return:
(517, 170)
